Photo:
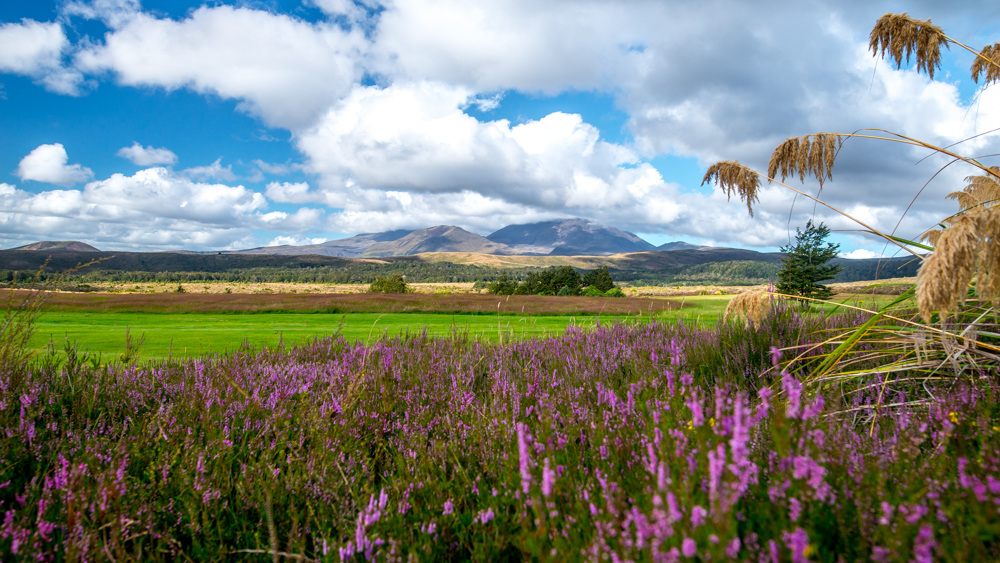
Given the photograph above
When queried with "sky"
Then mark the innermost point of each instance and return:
(159, 125)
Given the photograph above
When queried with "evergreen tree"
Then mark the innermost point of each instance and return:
(805, 264)
(599, 279)
(503, 286)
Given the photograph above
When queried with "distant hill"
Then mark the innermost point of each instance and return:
(569, 237)
(73, 245)
(680, 245)
(443, 238)
(343, 248)
(436, 239)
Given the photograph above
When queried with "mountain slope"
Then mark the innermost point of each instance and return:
(569, 237)
(73, 245)
(442, 238)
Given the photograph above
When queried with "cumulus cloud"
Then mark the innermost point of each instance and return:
(154, 207)
(294, 241)
(415, 138)
(709, 80)
(859, 253)
(147, 156)
(36, 49)
(214, 171)
(283, 69)
(114, 13)
(48, 163)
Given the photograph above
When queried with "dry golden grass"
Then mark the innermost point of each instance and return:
(733, 177)
(498, 261)
(944, 277)
(899, 34)
(987, 64)
(812, 154)
(264, 288)
(981, 190)
(752, 306)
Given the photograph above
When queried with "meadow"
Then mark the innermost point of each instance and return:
(191, 325)
(640, 441)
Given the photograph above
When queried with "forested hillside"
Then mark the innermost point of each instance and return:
(684, 267)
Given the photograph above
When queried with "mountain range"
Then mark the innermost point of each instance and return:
(568, 237)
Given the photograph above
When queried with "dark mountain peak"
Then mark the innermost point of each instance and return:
(58, 245)
(569, 237)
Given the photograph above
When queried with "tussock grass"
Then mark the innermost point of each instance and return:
(952, 332)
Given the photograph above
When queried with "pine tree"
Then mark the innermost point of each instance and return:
(805, 264)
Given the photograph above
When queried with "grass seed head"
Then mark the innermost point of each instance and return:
(750, 305)
(987, 64)
(899, 35)
(988, 285)
(981, 190)
(731, 176)
(811, 154)
(943, 279)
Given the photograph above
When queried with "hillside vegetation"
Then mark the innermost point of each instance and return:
(679, 267)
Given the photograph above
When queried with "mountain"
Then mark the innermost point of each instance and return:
(344, 248)
(73, 245)
(569, 237)
(442, 238)
(680, 245)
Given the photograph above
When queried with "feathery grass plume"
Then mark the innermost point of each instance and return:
(899, 34)
(811, 154)
(988, 284)
(753, 306)
(943, 279)
(988, 64)
(732, 176)
(981, 190)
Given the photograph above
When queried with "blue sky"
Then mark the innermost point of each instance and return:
(160, 125)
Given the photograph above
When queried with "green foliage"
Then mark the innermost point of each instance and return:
(392, 284)
(551, 281)
(599, 278)
(806, 263)
(614, 292)
(502, 286)
(591, 291)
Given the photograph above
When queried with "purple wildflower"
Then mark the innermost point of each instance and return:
(923, 546)
(548, 479)
(689, 548)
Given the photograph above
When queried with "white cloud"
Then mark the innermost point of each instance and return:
(48, 163)
(213, 171)
(36, 49)
(294, 241)
(147, 156)
(415, 138)
(521, 44)
(859, 253)
(291, 192)
(283, 69)
(114, 13)
(153, 208)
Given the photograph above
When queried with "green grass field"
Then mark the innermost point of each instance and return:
(182, 335)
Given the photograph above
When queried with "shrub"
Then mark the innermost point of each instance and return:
(614, 292)
(392, 284)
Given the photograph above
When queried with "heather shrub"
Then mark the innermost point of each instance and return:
(599, 444)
